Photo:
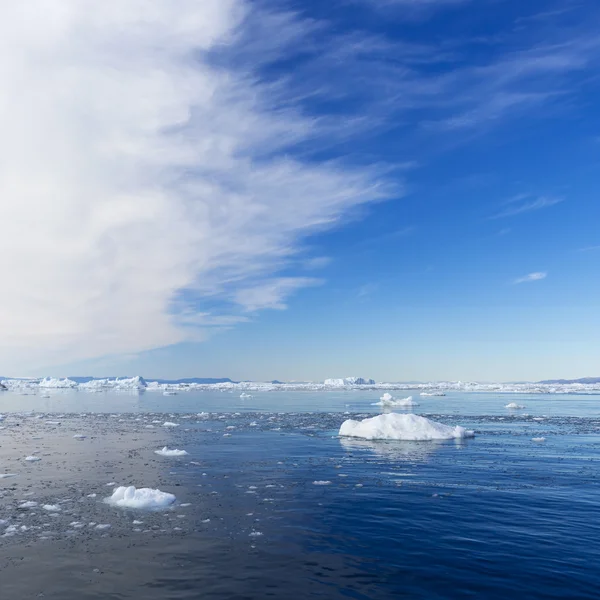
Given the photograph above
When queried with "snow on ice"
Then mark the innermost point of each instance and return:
(145, 498)
(402, 427)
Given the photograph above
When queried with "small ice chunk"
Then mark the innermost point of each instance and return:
(132, 497)
(321, 482)
(103, 526)
(51, 507)
(402, 427)
(170, 424)
(91, 495)
(514, 405)
(538, 439)
(255, 533)
(29, 504)
(7, 475)
(79, 436)
(166, 452)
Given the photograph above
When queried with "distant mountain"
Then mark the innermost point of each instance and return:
(167, 381)
(567, 381)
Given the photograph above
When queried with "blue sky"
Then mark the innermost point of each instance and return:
(463, 138)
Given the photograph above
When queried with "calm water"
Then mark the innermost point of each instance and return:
(494, 516)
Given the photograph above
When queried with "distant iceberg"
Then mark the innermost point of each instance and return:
(51, 382)
(348, 381)
(514, 405)
(409, 427)
(389, 400)
(147, 498)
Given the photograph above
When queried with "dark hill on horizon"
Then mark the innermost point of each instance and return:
(567, 381)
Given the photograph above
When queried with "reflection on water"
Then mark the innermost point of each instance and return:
(394, 450)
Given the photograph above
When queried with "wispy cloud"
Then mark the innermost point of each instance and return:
(150, 175)
(317, 262)
(520, 205)
(366, 291)
(530, 278)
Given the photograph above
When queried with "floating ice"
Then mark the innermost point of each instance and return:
(389, 400)
(169, 424)
(32, 458)
(538, 439)
(244, 395)
(132, 497)
(321, 482)
(166, 452)
(514, 405)
(29, 504)
(79, 436)
(402, 427)
(7, 475)
(51, 507)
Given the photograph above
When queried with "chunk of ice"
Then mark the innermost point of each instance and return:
(402, 427)
(166, 452)
(132, 497)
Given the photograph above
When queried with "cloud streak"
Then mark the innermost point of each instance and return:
(538, 276)
(518, 206)
(144, 181)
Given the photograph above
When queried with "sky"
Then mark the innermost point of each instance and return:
(294, 190)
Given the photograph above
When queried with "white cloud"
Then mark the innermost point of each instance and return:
(531, 277)
(519, 205)
(139, 178)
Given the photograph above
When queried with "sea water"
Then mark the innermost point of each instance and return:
(270, 502)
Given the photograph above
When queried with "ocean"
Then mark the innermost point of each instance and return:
(271, 503)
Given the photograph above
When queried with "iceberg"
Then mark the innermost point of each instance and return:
(389, 400)
(166, 452)
(348, 381)
(146, 498)
(51, 382)
(514, 405)
(408, 427)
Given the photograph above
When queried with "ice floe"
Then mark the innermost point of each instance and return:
(514, 405)
(170, 424)
(389, 400)
(32, 458)
(166, 452)
(407, 427)
(538, 439)
(145, 498)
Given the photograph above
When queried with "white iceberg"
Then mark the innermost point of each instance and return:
(389, 400)
(348, 381)
(166, 452)
(32, 458)
(132, 497)
(538, 439)
(170, 424)
(514, 405)
(402, 427)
